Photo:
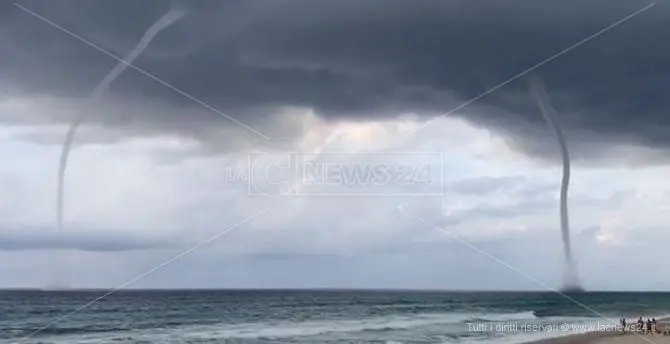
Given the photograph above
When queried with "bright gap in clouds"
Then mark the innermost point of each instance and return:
(129, 203)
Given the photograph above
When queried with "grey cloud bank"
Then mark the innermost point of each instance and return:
(446, 264)
(348, 59)
(27, 239)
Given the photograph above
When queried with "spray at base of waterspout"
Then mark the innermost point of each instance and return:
(571, 282)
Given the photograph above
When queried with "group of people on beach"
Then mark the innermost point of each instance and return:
(651, 326)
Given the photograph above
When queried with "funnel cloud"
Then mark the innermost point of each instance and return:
(172, 16)
(168, 19)
(570, 279)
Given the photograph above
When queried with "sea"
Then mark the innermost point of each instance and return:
(313, 316)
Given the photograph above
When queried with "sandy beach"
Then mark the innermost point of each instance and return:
(630, 339)
(611, 337)
(608, 338)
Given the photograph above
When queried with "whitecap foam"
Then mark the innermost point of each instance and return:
(285, 329)
(505, 316)
(447, 323)
(312, 328)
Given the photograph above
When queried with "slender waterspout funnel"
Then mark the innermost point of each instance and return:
(570, 276)
(169, 18)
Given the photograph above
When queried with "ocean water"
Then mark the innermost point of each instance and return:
(299, 316)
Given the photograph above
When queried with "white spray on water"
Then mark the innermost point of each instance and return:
(172, 16)
(571, 279)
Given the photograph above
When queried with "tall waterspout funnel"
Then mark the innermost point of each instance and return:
(570, 277)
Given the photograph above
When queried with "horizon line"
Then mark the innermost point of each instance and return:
(68, 289)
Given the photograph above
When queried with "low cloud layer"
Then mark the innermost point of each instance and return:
(91, 239)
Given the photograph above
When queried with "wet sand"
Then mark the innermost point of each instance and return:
(611, 337)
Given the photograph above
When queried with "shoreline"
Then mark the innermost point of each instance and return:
(611, 337)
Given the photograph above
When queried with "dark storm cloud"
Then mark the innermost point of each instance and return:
(359, 59)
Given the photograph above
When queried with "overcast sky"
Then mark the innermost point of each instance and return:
(201, 148)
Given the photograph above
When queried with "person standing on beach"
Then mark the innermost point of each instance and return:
(640, 324)
(653, 321)
(623, 325)
(648, 325)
